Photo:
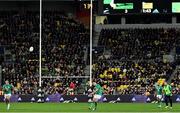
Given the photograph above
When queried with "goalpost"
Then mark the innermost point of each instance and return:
(40, 92)
(40, 44)
(91, 43)
(40, 47)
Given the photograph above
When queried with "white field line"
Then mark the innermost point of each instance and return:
(90, 112)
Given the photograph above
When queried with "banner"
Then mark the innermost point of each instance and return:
(84, 98)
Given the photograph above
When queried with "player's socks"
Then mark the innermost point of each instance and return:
(159, 104)
(8, 106)
(95, 105)
(91, 105)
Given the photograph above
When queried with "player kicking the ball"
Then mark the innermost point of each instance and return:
(7, 89)
(159, 93)
(98, 92)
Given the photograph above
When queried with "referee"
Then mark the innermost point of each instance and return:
(168, 94)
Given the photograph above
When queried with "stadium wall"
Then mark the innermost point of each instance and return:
(85, 98)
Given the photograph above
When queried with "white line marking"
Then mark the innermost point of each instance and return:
(91, 112)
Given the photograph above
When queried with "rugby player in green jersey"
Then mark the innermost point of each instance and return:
(167, 89)
(7, 90)
(159, 93)
(98, 92)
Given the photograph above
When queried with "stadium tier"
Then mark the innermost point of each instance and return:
(139, 43)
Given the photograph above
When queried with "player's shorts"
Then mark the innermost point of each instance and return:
(159, 96)
(7, 95)
(98, 97)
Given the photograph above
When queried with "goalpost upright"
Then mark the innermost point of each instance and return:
(40, 91)
(91, 37)
(40, 44)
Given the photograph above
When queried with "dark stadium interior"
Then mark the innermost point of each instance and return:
(131, 52)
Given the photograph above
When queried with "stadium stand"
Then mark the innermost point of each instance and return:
(135, 63)
(138, 43)
(132, 77)
(175, 82)
(62, 50)
(136, 60)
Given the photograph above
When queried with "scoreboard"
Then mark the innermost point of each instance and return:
(141, 6)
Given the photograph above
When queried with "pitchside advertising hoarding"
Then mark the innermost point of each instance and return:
(85, 98)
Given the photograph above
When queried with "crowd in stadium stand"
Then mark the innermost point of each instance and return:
(132, 77)
(139, 43)
(63, 44)
(135, 63)
(18, 33)
(64, 40)
(175, 81)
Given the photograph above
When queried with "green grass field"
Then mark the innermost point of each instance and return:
(83, 107)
